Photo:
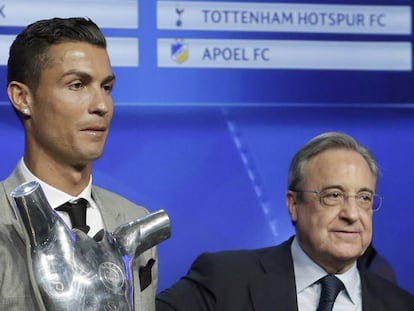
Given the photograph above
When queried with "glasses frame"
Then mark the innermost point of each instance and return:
(346, 196)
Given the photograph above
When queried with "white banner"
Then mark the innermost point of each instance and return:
(284, 17)
(105, 13)
(284, 54)
(123, 52)
(5, 42)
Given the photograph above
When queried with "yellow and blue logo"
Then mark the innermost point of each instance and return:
(179, 52)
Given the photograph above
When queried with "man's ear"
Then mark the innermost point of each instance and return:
(20, 97)
(291, 203)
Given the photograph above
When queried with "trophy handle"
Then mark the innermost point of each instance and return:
(139, 235)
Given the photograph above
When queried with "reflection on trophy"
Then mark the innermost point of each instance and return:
(76, 272)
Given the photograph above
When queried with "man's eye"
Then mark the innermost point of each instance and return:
(108, 87)
(76, 85)
(334, 195)
(366, 197)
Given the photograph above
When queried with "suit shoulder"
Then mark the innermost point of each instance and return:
(246, 255)
(230, 259)
(114, 199)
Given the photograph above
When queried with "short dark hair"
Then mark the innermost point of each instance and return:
(28, 52)
(326, 141)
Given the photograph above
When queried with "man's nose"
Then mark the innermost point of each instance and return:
(101, 102)
(350, 209)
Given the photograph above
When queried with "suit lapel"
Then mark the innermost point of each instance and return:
(108, 217)
(368, 289)
(111, 215)
(275, 289)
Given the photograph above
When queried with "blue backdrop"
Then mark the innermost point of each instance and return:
(212, 146)
(221, 173)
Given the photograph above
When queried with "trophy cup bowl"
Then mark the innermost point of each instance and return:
(76, 272)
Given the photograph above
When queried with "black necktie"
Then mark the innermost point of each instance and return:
(77, 213)
(331, 286)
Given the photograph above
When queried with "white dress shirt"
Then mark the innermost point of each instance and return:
(307, 273)
(57, 197)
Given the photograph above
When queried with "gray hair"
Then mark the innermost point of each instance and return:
(326, 141)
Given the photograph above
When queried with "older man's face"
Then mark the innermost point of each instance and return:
(334, 236)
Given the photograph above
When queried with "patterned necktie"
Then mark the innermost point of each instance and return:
(77, 213)
(331, 286)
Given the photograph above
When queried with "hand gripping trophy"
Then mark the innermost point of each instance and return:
(76, 272)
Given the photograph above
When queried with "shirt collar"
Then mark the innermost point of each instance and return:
(55, 196)
(307, 272)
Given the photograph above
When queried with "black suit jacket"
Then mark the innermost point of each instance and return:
(261, 280)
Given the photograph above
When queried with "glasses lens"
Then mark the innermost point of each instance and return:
(377, 202)
(332, 198)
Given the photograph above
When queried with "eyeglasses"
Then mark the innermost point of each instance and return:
(331, 198)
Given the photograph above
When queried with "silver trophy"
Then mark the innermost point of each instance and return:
(76, 272)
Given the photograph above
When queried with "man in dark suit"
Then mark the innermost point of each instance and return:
(331, 198)
(59, 84)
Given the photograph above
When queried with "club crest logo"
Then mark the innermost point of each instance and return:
(179, 52)
(111, 276)
(179, 21)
